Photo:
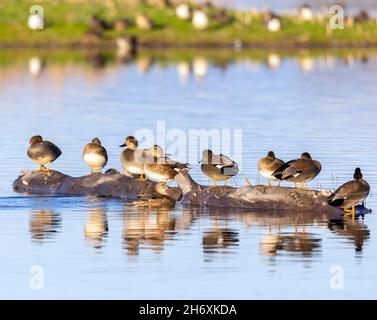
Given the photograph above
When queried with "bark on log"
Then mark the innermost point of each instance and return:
(114, 185)
(256, 198)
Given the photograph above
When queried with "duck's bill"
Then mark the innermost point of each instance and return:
(122, 145)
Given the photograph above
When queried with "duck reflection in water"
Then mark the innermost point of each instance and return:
(96, 228)
(147, 228)
(95, 58)
(44, 224)
(302, 242)
(355, 231)
(144, 64)
(219, 240)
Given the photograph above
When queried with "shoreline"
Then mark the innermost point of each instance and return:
(72, 25)
(169, 46)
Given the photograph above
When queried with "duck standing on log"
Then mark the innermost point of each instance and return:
(218, 167)
(158, 167)
(268, 165)
(133, 159)
(42, 152)
(95, 155)
(299, 170)
(350, 194)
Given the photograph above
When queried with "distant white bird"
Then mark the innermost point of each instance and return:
(183, 69)
(273, 60)
(306, 64)
(200, 20)
(35, 21)
(183, 11)
(35, 66)
(200, 67)
(273, 24)
(306, 13)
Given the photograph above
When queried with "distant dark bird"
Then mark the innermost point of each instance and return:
(299, 170)
(350, 194)
(218, 167)
(95, 155)
(42, 152)
(268, 165)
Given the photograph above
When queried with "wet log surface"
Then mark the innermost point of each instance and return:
(113, 185)
(256, 198)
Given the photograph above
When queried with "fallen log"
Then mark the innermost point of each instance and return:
(256, 198)
(111, 184)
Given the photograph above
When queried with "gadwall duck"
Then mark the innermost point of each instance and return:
(95, 155)
(133, 159)
(299, 170)
(350, 194)
(42, 152)
(158, 167)
(268, 165)
(218, 167)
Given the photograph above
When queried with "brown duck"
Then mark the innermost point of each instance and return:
(350, 194)
(218, 167)
(95, 155)
(42, 152)
(299, 170)
(268, 165)
(158, 167)
(133, 159)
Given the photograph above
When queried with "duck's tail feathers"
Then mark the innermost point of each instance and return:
(230, 170)
(335, 203)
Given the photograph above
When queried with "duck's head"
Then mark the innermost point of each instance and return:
(306, 155)
(206, 156)
(96, 141)
(271, 155)
(156, 151)
(35, 139)
(357, 175)
(130, 143)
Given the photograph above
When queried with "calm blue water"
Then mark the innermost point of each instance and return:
(324, 103)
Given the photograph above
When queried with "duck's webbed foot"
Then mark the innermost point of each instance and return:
(142, 177)
(350, 212)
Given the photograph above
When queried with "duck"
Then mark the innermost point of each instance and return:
(301, 170)
(42, 152)
(132, 158)
(350, 194)
(160, 168)
(218, 167)
(305, 13)
(268, 165)
(36, 21)
(95, 155)
(183, 11)
(272, 21)
(200, 20)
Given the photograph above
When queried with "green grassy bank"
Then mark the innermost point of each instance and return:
(66, 24)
